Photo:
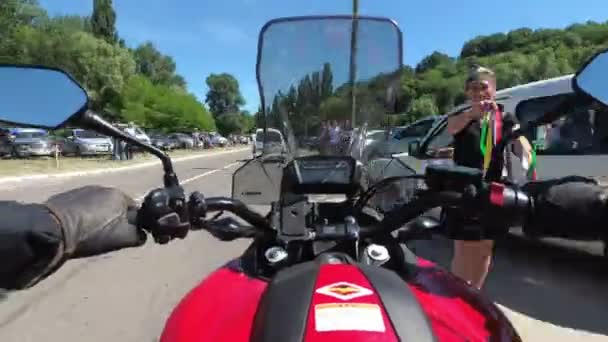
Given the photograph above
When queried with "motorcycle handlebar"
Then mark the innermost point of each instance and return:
(234, 206)
(502, 202)
(495, 200)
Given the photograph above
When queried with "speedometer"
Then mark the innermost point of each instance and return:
(321, 175)
(324, 171)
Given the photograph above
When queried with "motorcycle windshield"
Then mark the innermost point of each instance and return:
(324, 83)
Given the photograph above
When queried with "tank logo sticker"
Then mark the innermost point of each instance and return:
(344, 290)
(348, 317)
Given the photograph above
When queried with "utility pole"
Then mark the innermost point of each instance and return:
(353, 61)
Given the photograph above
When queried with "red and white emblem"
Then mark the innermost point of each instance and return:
(344, 290)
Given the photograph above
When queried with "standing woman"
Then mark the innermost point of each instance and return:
(475, 132)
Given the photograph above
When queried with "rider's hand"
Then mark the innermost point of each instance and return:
(575, 207)
(158, 215)
(95, 220)
(36, 239)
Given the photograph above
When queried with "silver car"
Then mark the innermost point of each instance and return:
(183, 140)
(83, 142)
(31, 143)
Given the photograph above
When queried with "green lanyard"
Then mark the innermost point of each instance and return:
(484, 135)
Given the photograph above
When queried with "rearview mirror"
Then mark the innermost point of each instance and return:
(413, 147)
(591, 79)
(39, 96)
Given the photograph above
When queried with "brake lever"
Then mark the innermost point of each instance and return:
(228, 229)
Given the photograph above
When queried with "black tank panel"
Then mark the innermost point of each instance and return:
(282, 314)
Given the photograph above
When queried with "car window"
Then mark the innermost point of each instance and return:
(30, 135)
(377, 135)
(583, 129)
(441, 139)
(418, 130)
(86, 134)
(272, 136)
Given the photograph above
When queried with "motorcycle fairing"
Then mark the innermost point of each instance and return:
(457, 311)
(231, 306)
(220, 308)
(297, 296)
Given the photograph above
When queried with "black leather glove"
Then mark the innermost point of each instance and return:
(164, 214)
(31, 241)
(96, 220)
(36, 239)
(571, 207)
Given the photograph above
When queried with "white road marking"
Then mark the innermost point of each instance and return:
(191, 179)
(154, 162)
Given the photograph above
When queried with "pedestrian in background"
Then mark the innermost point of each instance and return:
(476, 132)
(196, 138)
(128, 148)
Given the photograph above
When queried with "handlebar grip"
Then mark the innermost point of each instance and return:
(507, 205)
(568, 208)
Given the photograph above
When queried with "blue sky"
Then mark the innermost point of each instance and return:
(214, 36)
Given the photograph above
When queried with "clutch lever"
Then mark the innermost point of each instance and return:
(421, 228)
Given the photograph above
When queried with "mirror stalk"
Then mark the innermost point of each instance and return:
(96, 123)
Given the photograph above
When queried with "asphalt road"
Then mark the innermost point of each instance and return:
(552, 294)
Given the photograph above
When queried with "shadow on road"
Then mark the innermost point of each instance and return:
(549, 283)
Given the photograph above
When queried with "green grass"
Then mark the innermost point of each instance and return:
(46, 165)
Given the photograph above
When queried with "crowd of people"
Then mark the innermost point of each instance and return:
(335, 136)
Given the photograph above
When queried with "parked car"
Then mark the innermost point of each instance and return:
(401, 137)
(82, 142)
(142, 136)
(274, 138)
(529, 102)
(164, 142)
(219, 140)
(30, 142)
(139, 134)
(378, 144)
(243, 140)
(183, 140)
(373, 136)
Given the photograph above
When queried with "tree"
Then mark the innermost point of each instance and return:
(433, 60)
(161, 107)
(160, 69)
(224, 95)
(422, 107)
(103, 21)
(235, 123)
(69, 23)
(327, 80)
